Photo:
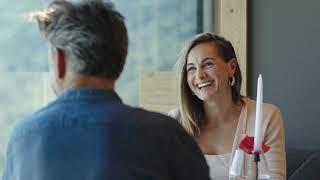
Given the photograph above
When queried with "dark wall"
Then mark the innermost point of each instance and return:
(284, 46)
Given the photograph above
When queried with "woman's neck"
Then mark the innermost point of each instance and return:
(221, 111)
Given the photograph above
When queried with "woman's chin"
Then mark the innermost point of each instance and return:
(206, 96)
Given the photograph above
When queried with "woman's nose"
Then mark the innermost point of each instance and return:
(201, 73)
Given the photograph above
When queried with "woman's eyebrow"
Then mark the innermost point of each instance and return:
(207, 58)
(190, 64)
(204, 59)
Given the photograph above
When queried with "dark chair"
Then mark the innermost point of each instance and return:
(303, 164)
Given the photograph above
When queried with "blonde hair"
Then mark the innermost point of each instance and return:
(190, 107)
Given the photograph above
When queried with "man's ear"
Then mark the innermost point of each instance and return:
(61, 63)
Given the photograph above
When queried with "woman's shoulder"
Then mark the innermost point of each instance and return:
(271, 113)
(267, 107)
(174, 113)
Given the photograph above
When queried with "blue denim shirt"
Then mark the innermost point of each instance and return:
(89, 134)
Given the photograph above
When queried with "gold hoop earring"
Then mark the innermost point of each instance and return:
(233, 81)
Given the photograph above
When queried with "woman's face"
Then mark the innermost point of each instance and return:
(207, 73)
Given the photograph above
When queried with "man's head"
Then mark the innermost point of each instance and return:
(87, 37)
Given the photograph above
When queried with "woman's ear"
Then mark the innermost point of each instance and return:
(61, 63)
(232, 66)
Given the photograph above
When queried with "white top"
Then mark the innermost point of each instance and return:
(218, 166)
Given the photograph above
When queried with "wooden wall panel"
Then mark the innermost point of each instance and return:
(158, 91)
(231, 22)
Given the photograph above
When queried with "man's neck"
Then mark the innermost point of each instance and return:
(85, 81)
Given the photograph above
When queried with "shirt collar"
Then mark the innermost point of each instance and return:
(89, 93)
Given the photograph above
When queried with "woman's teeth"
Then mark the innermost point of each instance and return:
(201, 85)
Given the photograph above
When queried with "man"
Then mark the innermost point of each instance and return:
(87, 133)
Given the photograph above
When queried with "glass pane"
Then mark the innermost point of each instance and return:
(21, 48)
(157, 31)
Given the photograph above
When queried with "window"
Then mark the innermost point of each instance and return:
(157, 31)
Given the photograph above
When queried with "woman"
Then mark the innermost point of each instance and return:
(212, 110)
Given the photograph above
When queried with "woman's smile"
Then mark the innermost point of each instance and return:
(204, 84)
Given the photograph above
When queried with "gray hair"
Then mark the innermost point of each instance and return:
(92, 34)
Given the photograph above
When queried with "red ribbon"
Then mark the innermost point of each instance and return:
(247, 145)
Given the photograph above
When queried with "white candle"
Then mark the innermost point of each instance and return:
(259, 117)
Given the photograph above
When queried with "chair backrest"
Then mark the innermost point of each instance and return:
(157, 91)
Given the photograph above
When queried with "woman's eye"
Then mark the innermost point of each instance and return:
(208, 64)
(191, 69)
